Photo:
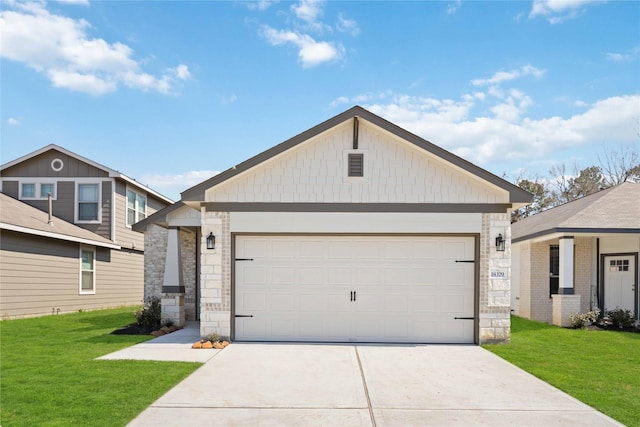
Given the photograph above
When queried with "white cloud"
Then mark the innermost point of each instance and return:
(173, 184)
(309, 11)
(60, 48)
(307, 19)
(80, 2)
(558, 11)
(347, 25)
(453, 7)
(503, 76)
(630, 56)
(13, 121)
(492, 126)
(310, 51)
(230, 99)
(260, 5)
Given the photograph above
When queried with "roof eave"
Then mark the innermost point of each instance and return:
(58, 236)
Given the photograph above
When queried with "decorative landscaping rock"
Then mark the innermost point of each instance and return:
(166, 330)
(158, 333)
(197, 344)
(207, 344)
(225, 343)
(218, 345)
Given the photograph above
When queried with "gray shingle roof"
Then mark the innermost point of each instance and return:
(614, 210)
(21, 217)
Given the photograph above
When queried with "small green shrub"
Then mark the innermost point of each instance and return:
(578, 320)
(621, 318)
(150, 314)
(213, 337)
(168, 323)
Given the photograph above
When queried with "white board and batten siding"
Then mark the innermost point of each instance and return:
(395, 171)
(339, 288)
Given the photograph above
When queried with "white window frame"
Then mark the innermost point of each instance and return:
(91, 249)
(77, 202)
(37, 190)
(136, 207)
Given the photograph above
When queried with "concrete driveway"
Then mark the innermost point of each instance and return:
(364, 385)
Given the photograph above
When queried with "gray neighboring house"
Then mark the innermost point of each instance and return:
(88, 256)
(578, 256)
(355, 230)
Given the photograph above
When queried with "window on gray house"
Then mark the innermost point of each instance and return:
(554, 269)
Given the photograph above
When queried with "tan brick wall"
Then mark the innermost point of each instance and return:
(535, 287)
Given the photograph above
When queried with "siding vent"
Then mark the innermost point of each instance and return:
(356, 164)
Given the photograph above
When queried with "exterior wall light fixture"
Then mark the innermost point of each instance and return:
(500, 243)
(211, 241)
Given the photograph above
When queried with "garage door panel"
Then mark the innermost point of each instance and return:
(407, 288)
(310, 276)
(255, 275)
(282, 302)
(339, 275)
(252, 302)
(283, 276)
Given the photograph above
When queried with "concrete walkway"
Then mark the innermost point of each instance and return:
(362, 385)
(174, 347)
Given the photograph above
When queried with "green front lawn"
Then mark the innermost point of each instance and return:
(49, 375)
(600, 368)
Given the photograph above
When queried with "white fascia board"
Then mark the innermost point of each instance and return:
(58, 236)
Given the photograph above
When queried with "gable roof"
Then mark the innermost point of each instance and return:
(23, 218)
(516, 194)
(112, 173)
(614, 210)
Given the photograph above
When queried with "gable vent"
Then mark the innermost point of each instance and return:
(356, 164)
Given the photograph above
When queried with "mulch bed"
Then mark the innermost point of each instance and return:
(605, 327)
(135, 329)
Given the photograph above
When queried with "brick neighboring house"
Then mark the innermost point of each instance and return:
(87, 256)
(578, 256)
(355, 230)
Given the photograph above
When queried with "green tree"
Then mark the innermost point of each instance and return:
(542, 198)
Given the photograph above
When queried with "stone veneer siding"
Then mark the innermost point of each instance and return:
(155, 239)
(215, 275)
(495, 294)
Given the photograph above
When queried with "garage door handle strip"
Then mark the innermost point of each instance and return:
(464, 318)
(244, 315)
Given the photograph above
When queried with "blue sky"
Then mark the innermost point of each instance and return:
(169, 93)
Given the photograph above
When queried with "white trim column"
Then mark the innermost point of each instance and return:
(565, 302)
(566, 285)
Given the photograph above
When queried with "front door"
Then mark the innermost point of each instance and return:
(620, 282)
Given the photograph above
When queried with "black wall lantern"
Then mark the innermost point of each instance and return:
(499, 243)
(211, 241)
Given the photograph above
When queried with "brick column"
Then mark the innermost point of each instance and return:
(173, 283)
(494, 309)
(215, 275)
(565, 302)
(563, 306)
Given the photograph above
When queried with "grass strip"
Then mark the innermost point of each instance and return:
(599, 368)
(49, 375)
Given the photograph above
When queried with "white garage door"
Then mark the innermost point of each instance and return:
(354, 289)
